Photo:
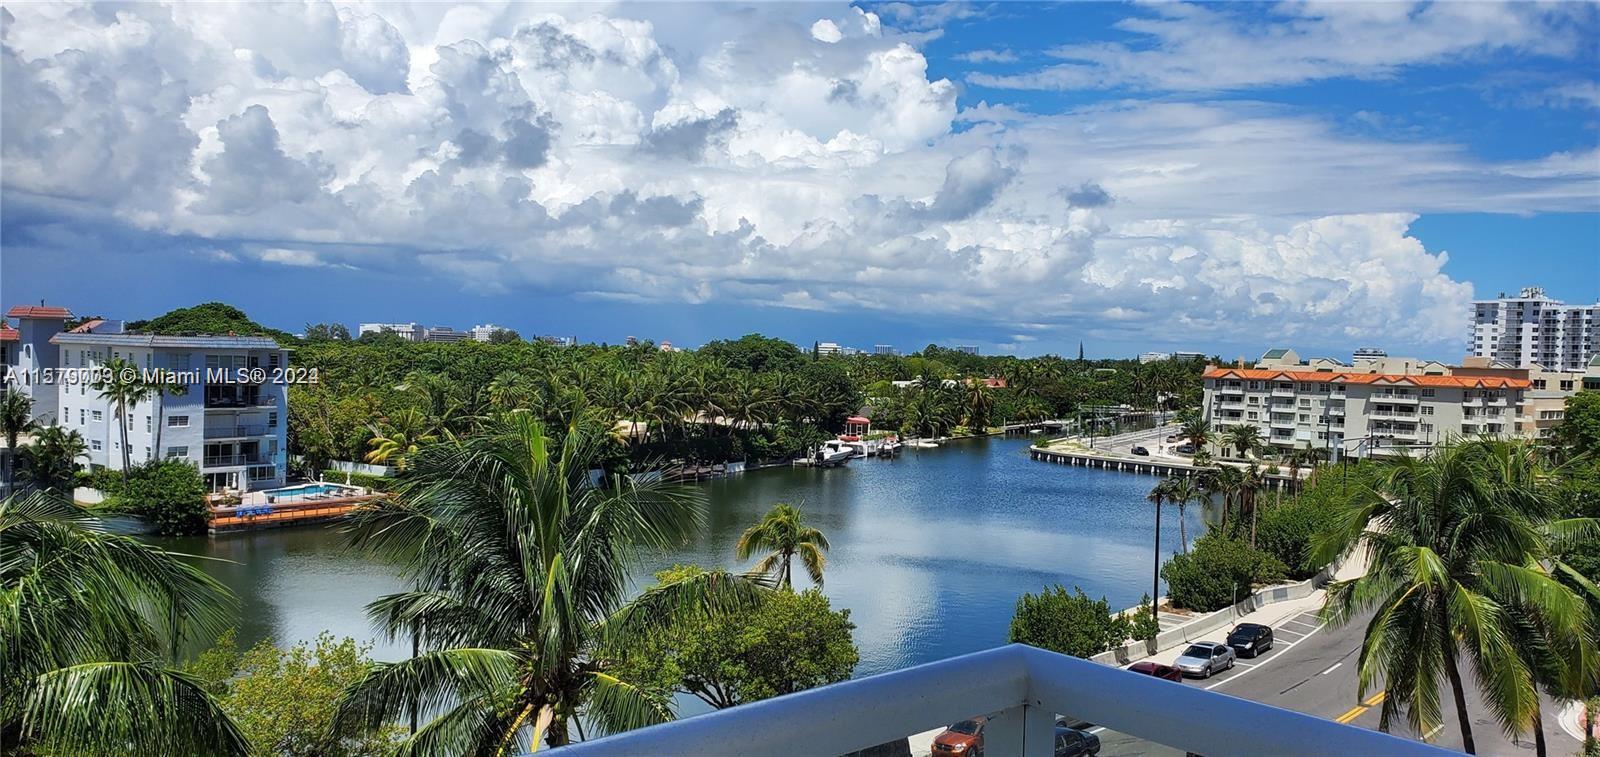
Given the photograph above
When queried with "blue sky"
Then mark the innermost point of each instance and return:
(1017, 176)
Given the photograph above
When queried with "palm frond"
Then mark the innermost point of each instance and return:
(127, 708)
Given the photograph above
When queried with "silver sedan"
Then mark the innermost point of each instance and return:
(1203, 658)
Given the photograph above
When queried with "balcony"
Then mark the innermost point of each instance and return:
(1401, 414)
(1283, 421)
(1409, 399)
(235, 403)
(1281, 391)
(229, 432)
(1230, 390)
(1021, 689)
(228, 461)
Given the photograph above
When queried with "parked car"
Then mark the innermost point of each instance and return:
(1071, 742)
(1250, 639)
(1204, 658)
(1172, 438)
(1186, 449)
(1141, 451)
(964, 739)
(1069, 721)
(1156, 669)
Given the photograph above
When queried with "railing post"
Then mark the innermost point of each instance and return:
(1027, 730)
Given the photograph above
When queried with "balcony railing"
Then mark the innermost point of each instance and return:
(225, 403)
(223, 461)
(1021, 689)
(224, 432)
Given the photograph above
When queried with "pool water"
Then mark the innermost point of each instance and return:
(301, 491)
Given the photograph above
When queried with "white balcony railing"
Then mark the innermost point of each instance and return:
(1021, 689)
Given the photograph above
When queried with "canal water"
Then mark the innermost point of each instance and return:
(930, 550)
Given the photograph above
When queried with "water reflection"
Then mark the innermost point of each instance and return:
(930, 550)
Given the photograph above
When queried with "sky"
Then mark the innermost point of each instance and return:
(1021, 177)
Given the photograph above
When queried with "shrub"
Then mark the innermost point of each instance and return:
(369, 480)
(1144, 626)
(1217, 572)
(170, 493)
(1067, 623)
(1286, 531)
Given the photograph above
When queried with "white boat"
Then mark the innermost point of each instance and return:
(921, 444)
(888, 448)
(859, 447)
(832, 452)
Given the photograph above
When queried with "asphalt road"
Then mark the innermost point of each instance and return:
(1312, 669)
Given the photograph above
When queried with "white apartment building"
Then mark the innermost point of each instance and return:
(1532, 328)
(29, 354)
(410, 332)
(484, 332)
(1361, 414)
(231, 420)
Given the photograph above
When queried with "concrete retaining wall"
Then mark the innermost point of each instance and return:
(1204, 625)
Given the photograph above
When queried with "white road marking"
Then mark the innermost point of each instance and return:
(1287, 644)
(1301, 622)
(1252, 669)
(1330, 669)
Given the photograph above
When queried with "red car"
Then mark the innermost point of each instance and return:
(1158, 670)
(964, 739)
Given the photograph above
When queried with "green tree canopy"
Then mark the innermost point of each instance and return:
(1069, 623)
(787, 643)
(208, 318)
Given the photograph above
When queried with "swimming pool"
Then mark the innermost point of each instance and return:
(300, 492)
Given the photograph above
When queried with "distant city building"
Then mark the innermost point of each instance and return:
(884, 349)
(559, 341)
(410, 332)
(970, 349)
(849, 351)
(485, 332)
(631, 341)
(1368, 353)
(1156, 357)
(1533, 328)
(447, 334)
(666, 346)
(827, 348)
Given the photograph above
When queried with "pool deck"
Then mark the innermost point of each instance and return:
(245, 516)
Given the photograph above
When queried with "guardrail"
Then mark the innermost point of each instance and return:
(1021, 689)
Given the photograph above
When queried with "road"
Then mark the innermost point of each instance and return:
(1312, 669)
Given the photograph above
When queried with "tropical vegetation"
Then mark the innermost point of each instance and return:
(788, 642)
(1067, 622)
(91, 626)
(519, 562)
(783, 535)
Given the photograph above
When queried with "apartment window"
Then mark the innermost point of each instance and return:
(272, 420)
(1426, 410)
(1255, 400)
(1566, 386)
(94, 444)
(272, 360)
(1305, 402)
(1322, 388)
(177, 421)
(80, 416)
(177, 452)
(96, 416)
(1427, 392)
(1305, 418)
(1252, 415)
(147, 424)
(1538, 383)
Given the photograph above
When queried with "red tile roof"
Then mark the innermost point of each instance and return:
(87, 326)
(8, 334)
(38, 311)
(1458, 382)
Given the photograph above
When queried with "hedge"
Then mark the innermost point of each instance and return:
(1067, 623)
(1218, 572)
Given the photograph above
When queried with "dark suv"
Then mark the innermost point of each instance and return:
(1071, 742)
(1250, 639)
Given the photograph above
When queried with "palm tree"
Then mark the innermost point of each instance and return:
(520, 564)
(121, 385)
(979, 405)
(162, 390)
(90, 622)
(1181, 493)
(1250, 482)
(783, 534)
(53, 457)
(1242, 437)
(1159, 495)
(400, 436)
(1193, 429)
(16, 419)
(1227, 481)
(1460, 547)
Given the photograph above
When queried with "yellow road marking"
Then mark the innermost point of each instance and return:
(1355, 712)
